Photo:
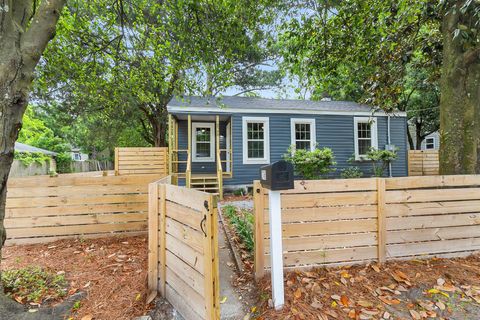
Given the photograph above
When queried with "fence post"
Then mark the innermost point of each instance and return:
(259, 207)
(153, 238)
(162, 232)
(381, 222)
(116, 162)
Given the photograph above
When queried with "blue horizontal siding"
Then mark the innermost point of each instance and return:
(333, 131)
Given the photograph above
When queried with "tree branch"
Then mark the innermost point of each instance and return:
(472, 55)
(41, 31)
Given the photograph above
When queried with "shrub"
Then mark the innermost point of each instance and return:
(27, 158)
(311, 165)
(351, 173)
(33, 285)
(380, 160)
(242, 221)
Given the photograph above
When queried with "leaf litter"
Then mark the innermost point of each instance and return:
(415, 289)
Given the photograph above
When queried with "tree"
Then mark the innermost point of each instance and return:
(383, 53)
(157, 51)
(26, 28)
(460, 88)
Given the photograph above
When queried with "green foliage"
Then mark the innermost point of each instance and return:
(351, 173)
(27, 158)
(387, 54)
(37, 133)
(380, 160)
(311, 164)
(239, 192)
(243, 222)
(116, 74)
(33, 284)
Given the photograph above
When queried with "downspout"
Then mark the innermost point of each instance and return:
(389, 143)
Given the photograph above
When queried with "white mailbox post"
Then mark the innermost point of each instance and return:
(275, 177)
(276, 251)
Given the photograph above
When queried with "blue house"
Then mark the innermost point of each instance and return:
(216, 143)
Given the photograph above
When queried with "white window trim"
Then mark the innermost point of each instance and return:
(313, 131)
(373, 122)
(433, 142)
(196, 125)
(266, 140)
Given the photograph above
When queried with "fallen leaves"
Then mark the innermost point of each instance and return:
(416, 290)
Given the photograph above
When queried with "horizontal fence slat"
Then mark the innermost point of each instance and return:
(433, 234)
(319, 257)
(187, 197)
(185, 234)
(432, 208)
(328, 227)
(189, 295)
(327, 242)
(432, 247)
(326, 213)
(11, 224)
(75, 210)
(432, 182)
(184, 215)
(423, 222)
(326, 199)
(194, 279)
(190, 256)
(178, 302)
(69, 200)
(76, 229)
(402, 196)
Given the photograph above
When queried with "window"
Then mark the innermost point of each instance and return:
(365, 136)
(77, 156)
(203, 142)
(303, 133)
(256, 145)
(430, 143)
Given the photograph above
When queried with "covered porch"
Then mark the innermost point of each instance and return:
(200, 150)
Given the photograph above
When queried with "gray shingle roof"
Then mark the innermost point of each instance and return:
(21, 147)
(267, 104)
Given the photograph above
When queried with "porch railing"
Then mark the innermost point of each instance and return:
(188, 171)
(219, 175)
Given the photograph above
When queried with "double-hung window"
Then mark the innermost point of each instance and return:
(430, 143)
(303, 133)
(365, 132)
(203, 142)
(256, 144)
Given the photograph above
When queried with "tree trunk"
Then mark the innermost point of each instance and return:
(410, 139)
(23, 39)
(418, 135)
(459, 103)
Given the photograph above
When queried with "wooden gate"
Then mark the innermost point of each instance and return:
(183, 250)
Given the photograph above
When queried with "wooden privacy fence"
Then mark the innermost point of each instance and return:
(183, 250)
(328, 222)
(423, 163)
(141, 161)
(44, 208)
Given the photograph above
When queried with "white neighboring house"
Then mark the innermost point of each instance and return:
(431, 142)
(77, 154)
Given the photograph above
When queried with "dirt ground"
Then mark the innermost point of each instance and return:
(417, 289)
(111, 271)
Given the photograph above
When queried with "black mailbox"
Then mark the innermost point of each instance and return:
(277, 176)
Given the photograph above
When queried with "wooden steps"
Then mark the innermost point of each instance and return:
(206, 183)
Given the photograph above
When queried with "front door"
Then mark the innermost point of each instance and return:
(203, 142)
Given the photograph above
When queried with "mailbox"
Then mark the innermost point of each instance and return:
(277, 176)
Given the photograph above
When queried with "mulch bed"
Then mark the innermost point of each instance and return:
(416, 289)
(112, 271)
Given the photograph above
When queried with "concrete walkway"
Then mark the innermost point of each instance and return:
(232, 308)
